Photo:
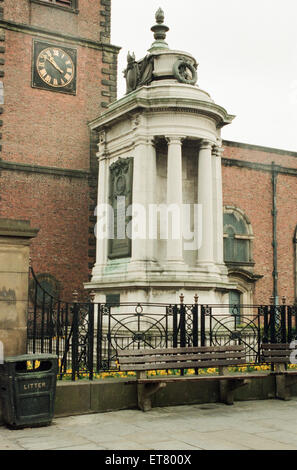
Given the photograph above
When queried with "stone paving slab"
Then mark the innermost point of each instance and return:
(249, 425)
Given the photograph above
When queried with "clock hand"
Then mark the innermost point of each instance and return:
(52, 61)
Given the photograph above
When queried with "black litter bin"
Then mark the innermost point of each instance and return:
(28, 389)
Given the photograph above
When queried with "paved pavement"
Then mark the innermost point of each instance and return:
(259, 425)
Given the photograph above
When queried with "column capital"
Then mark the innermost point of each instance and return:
(205, 144)
(218, 151)
(152, 140)
(175, 139)
(143, 140)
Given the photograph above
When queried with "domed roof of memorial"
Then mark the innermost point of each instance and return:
(162, 64)
(165, 79)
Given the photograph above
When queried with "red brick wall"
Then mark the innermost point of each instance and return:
(287, 222)
(258, 155)
(85, 24)
(59, 208)
(251, 191)
(44, 127)
(50, 129)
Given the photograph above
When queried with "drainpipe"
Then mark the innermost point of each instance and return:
(274, 242)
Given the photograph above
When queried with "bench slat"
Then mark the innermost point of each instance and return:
(181, 365)
(275, 359)
(272, 346)
(181, 357)
(279, 352)
(203, 377)
(186, 350)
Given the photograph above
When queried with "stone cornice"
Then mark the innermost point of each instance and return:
(53, 171)
(249, 276)
(229, 143)
(17, 228)
(259, 166)
(46, 34)
(126, 105)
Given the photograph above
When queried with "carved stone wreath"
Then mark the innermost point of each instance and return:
(185, 72)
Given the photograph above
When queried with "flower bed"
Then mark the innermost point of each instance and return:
(83, 375)
(151, 373)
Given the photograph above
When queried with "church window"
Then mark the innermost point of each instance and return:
(237, 237)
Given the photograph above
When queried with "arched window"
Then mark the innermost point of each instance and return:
(237, 237)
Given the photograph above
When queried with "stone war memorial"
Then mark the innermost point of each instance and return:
(160, 184)
(162, 256)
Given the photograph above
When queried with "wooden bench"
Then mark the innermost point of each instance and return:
(220, 357)
(278, 355)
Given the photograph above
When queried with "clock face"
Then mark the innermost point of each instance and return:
(54, 68)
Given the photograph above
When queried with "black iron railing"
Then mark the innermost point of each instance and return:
(87, 335)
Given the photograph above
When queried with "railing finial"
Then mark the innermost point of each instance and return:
(92, 296)
(75, 296)
(284, 299)
(196, 297)
(181, 298)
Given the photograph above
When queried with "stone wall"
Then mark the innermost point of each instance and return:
(15, 236)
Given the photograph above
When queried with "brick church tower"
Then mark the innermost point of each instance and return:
(58, 72)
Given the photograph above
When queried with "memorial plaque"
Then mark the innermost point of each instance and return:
(120, 197)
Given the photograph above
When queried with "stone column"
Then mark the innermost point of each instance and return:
(205, 198)
(151, 193)
(218, 205)
(144, 181)
(174, 198)
(15, 236)
(102, 199)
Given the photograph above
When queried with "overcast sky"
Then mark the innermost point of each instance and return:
(247, 55)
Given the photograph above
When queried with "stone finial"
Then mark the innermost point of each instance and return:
(159, 30)
(160, 16)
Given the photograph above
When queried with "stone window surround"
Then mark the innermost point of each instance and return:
(71, 8)
(244, 287)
